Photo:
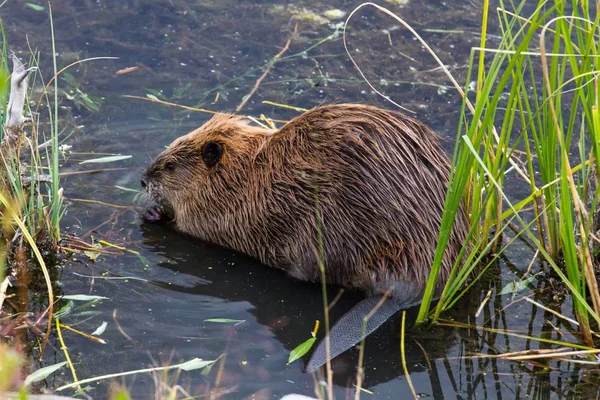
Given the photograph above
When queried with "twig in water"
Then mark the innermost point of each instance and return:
(26, 180)
(13, 129)
(168, 103)
(215, 393)
(64, 348)
(112, 278)
(361, 353)
(193, 362)
(402, 353)
(337, 297)
(550, 354)
(483, 303)
(93, 171)
(3, 288)
(99, 202)
(559, 315)
(537, 252)
(85, 335)
(272, 103)
(267, 70)
(119, 327)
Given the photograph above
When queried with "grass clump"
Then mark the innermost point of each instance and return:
(531, 122)
(31, 203)
(30, 175)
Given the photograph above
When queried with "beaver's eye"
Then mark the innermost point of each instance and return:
(170, 166)
(211, 153)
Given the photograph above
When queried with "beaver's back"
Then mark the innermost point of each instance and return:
(368, 184)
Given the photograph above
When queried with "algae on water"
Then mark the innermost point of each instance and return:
(304, 14)
(397, 2)
(334, 14)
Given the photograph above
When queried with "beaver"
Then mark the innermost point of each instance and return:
(355, 188)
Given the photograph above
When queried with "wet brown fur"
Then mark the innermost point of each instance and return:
(374, 179)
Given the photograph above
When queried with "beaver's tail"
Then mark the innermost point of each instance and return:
(351, 328)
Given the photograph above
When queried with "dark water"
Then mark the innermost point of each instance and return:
(209, 54)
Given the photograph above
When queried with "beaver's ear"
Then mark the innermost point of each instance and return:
(211, 153)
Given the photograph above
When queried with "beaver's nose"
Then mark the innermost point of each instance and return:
(143, 182)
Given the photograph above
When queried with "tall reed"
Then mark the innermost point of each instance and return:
(30, 197)
(31, 175)
(536, 96)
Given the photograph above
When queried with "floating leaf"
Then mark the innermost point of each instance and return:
(155, 94)
(100, 330)
(66, 309)
(301, 350)
(194, 364)
(143, 259)
(120, 394)
(83, 297)
(206, 370)
(92, 254)
(126, 189)
(363, 389)
(35, 7)
(88, 101)
(43, 373)
(105, 159)
(88, 313)
(225, 321)
(69, 79)
(518, 286)
(179, 92)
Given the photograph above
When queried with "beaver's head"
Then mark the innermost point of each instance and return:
(193, 178)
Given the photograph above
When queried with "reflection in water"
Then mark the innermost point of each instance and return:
(289, 307)
(210, 54)
(459, 357)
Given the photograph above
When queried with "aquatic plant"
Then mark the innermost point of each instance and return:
(30, 222)
(534, 115)
(30, 175)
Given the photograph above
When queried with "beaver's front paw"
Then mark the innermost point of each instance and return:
(154, 214)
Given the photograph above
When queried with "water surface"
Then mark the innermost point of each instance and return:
(210, 54)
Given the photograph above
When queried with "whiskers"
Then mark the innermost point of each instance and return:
(143, 199)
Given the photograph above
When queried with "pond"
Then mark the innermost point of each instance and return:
(161, 291)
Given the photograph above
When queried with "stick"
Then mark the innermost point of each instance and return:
(267, 70)
(13, 129)
(3, 288)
